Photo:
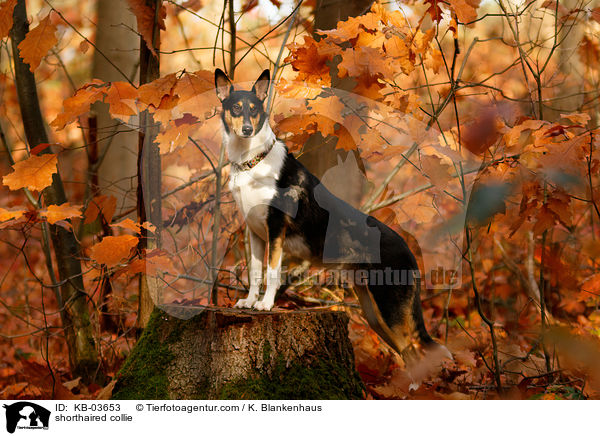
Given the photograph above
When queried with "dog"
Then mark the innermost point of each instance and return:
(286, 208)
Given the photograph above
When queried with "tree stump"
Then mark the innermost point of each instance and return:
(219, 353)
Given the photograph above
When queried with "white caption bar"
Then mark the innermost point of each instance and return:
(365, 418)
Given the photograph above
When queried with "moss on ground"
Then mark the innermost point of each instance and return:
(143, 374)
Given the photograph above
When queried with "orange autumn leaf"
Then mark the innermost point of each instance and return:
(307, 59)
(6, 215)
(437, 170)
(155, 262)
(113, 249)
(345, 140)
(297, 90)
(590, 288)
(174, 137)
(128, 224)
(65, 211)
(365, 60)
(153, 92)
(101, 204)
(149, 226)
(79, 104)
(194, 84)
(121, 98)
(466, 10)
(133, 226)
(434, 9)
(397, 48)
(145, 16)
(6, 17)
(352, 27)
(577, 118)
(34, 173)
(297, 123)
(38, 42)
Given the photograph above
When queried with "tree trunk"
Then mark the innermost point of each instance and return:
(231, 354)
(149, 172)
(119, 44)
(72, 298)
(343, 178)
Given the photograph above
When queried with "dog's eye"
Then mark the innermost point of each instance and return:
(236, 108)
(254, 110)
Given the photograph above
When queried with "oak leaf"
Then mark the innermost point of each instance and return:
(6, 215)
(345, 140)
(6, 17)
(365, 60)
(297, 90)
(437, 170)
(153, 92)
(79, 104)
(113, 249)
(352, 27)
(34, 173)
(145, 16)
(128, 224)
(174, 137)
(37, 42)
(105, 204)
(307, 59)
(155, 262)
(191, 85)
(434, 9)
(577, 118)
(65, 211)
(466, 10)
(133, 226)
(397, 48)
(121, 98)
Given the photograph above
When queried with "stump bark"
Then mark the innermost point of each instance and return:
(222, 353)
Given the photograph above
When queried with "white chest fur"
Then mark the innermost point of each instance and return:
(254, 189)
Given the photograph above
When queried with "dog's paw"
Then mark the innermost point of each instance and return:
(263, 305)
(245, 303)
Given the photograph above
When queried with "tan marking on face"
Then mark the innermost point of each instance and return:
(255, 119)
(276, 250)
(234, 123)
(227, 118)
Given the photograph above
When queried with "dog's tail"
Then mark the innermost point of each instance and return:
(425, 339)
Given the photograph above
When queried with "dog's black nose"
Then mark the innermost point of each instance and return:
(246, 130)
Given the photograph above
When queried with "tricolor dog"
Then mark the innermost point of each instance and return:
(286, 208)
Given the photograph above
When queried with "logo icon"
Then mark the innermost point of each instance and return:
(26, 415)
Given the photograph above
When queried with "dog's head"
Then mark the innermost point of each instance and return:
(243, 111)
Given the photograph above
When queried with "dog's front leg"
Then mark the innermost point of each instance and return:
(273, 271)
(257, 254)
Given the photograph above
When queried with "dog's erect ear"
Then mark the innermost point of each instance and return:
(222, 84)
(261, 87)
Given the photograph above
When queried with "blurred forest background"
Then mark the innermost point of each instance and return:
(477, 120)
